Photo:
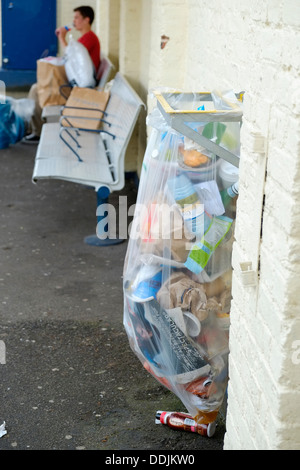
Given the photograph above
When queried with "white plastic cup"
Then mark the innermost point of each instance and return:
(228, 174)
(193, 325)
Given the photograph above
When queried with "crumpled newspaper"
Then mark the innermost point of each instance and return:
(2, 429)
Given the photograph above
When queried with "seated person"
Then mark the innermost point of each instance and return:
(82, 21)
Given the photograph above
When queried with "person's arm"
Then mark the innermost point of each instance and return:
(61, 34)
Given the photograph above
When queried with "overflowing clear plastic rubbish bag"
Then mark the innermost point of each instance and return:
(177, 271)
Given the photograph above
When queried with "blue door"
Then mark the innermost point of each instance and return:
(27, 33)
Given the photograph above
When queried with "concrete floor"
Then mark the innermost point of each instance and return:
(70, 380)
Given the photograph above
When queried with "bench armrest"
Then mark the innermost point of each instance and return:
(65, 85)
(72, 137)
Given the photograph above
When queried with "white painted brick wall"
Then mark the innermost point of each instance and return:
(262, 326)
(167, 65)
(252, 46)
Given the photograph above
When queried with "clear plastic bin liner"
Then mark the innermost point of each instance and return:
(177, 271)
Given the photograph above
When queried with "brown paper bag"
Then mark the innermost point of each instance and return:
(85, 98)
(49, 79)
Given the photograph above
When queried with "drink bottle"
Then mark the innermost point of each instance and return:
(195, 218)
(66, 27)
(184, 422)
(229, 194)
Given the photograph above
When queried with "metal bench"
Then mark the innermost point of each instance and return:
(92, 158)
(52, 113)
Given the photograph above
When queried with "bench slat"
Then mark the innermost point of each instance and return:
(59, 162)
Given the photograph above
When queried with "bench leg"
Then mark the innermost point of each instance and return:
(102, 239)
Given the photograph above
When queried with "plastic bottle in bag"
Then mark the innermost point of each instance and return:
(147, 283)
(195, 218)
(228, 194)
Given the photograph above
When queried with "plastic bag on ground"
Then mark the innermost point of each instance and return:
(177, 271)
(14, 116)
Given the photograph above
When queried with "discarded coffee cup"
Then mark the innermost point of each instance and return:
(193, 325)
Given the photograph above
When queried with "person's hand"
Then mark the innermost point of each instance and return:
(61, 32)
